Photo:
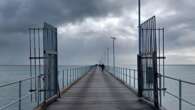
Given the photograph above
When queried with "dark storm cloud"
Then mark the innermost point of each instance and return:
(16, 16)
(89, 42)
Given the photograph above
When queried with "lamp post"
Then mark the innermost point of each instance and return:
(113, 46)
(139, 63)
(107, 56)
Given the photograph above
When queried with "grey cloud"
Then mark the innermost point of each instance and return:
(16, 16)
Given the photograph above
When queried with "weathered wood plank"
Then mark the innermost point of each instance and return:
(99, 91)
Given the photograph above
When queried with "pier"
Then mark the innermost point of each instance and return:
(102, 85)
(99, 91)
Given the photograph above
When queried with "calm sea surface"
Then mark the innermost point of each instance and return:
(184, 72)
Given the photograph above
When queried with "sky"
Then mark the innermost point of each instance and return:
(85, 28)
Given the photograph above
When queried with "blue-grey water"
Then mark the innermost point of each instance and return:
(184, 72)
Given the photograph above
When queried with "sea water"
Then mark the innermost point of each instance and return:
(184, 72)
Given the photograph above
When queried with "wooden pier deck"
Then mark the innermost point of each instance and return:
(99, 91)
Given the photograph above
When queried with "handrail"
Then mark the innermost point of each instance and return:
(71, 76)
(122, 74)
(176, 79)
(14, 101)
(180, 98)
(14, 82)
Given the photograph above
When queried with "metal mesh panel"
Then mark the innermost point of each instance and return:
(43, 62)
(151, 55)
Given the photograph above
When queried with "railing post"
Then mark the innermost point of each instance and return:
(67, 77)
(39, 87)
(134, 78)
(20, 94)
(118, 72)
(180, 95)
(140, 75)
(123, 75)
(130, 77)
(63, 78)
(70, 75)
(74, 74)
(126, 76)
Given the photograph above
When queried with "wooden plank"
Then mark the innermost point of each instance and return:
(99, 91)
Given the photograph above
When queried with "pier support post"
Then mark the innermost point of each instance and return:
(140, 76)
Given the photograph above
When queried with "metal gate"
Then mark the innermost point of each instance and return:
(43, 62)
(151, 61)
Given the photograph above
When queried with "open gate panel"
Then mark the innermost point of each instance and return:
(43, 62)
(152, 60)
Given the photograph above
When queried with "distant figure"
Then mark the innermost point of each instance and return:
(103, 67)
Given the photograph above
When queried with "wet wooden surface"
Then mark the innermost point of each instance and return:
(99, 91)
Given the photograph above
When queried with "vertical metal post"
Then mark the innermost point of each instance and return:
(155, 85)
(118, 72)
(180, 95)
(139, 62)
(113, 38)
(35, 63)
(76, 73)
(67, 77)
(123, 74)
(63, 78)
(130, 77)
(134, 78)
(107, 56)
(20, 95)
(39, 79)
(140, 76)
(163, 63)
(126, 75)
(139, 24)
(30, 48)
(73, 74)
(160, 87)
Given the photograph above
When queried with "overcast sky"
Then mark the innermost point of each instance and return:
(85, 27)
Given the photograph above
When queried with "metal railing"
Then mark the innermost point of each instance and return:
(69, 75)
(19, 96)
(179, 97)
(25, 99)
(129, 78)
(125, 75)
